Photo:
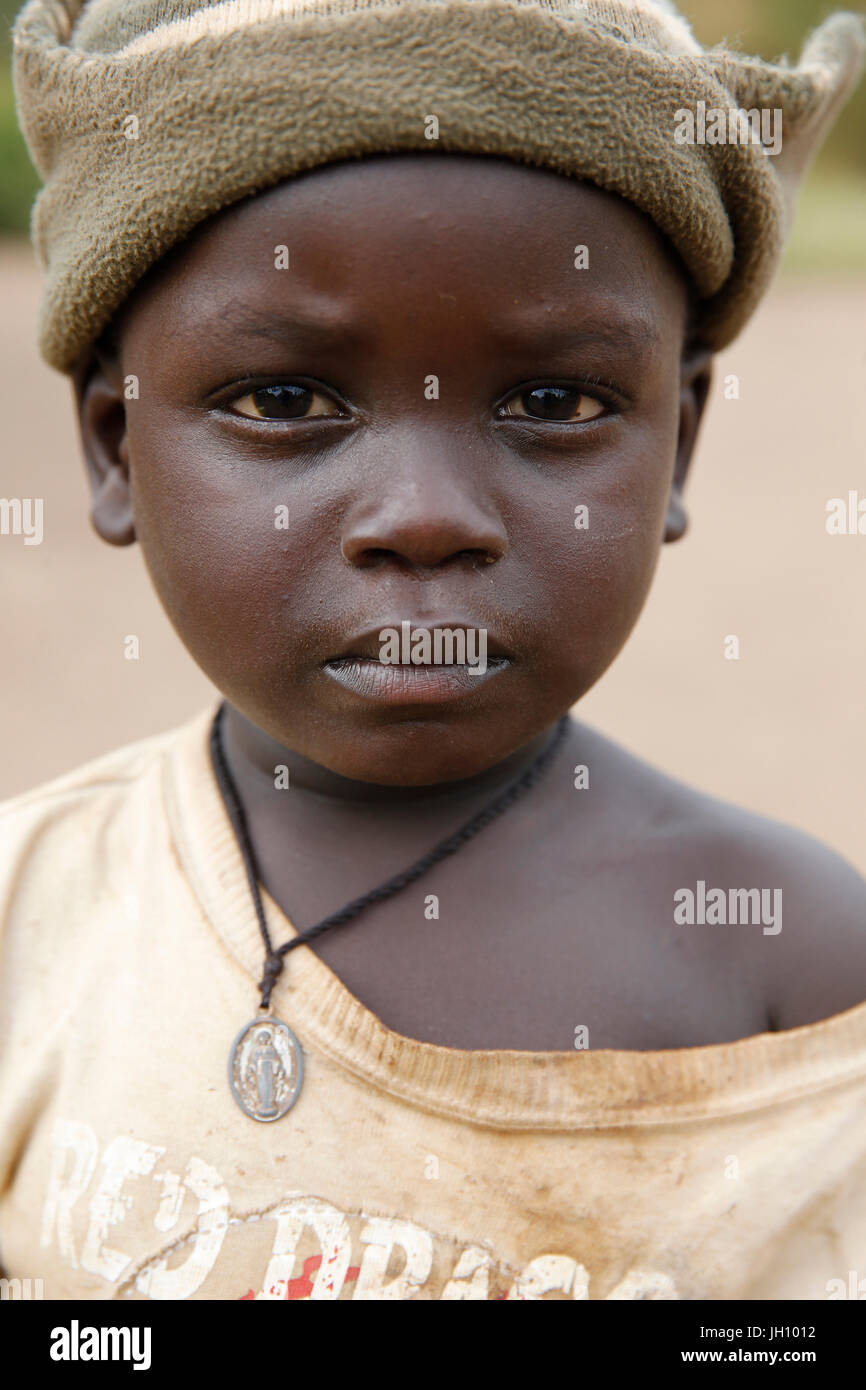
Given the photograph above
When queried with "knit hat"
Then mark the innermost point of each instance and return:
(145, 117)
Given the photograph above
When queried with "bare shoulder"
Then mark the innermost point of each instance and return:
(790, 911)
(812, 914)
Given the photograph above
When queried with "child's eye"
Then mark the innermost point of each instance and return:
(286, 401)
(555, 403)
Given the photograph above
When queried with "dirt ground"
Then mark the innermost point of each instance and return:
(780, 730)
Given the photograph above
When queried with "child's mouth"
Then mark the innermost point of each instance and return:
(409, 684)
(412, 663)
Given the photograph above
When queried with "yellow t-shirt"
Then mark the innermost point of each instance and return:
(129, 955)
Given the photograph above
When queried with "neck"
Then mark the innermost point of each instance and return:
(252, 755)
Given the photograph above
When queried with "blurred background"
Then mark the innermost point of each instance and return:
(780, 730)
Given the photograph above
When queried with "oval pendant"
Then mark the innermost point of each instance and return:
(266, 1068)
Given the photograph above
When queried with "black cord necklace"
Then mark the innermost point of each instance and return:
(266, 1063)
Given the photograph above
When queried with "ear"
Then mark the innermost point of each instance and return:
(98, 386)
(695, 377)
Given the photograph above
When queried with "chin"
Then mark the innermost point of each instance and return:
(416, 753)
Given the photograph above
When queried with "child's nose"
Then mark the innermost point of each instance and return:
(425, 517)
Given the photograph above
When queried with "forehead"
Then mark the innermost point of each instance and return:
(477, 230)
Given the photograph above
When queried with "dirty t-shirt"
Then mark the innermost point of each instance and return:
(129, 954)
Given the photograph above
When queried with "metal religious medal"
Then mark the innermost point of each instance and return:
(266, 1068)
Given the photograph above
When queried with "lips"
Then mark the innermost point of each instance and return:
(369, 644)
(410, 685)
(358, 667)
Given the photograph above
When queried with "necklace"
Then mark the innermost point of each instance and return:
(266, 1065)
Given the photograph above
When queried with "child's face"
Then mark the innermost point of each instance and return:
(445, 508)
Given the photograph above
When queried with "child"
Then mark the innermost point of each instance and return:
(400, 436)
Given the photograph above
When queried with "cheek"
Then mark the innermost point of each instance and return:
(226, 570)
(600, 562)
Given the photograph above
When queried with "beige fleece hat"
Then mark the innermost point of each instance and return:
(145, 117)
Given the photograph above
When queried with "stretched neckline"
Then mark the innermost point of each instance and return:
(503, 1088)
